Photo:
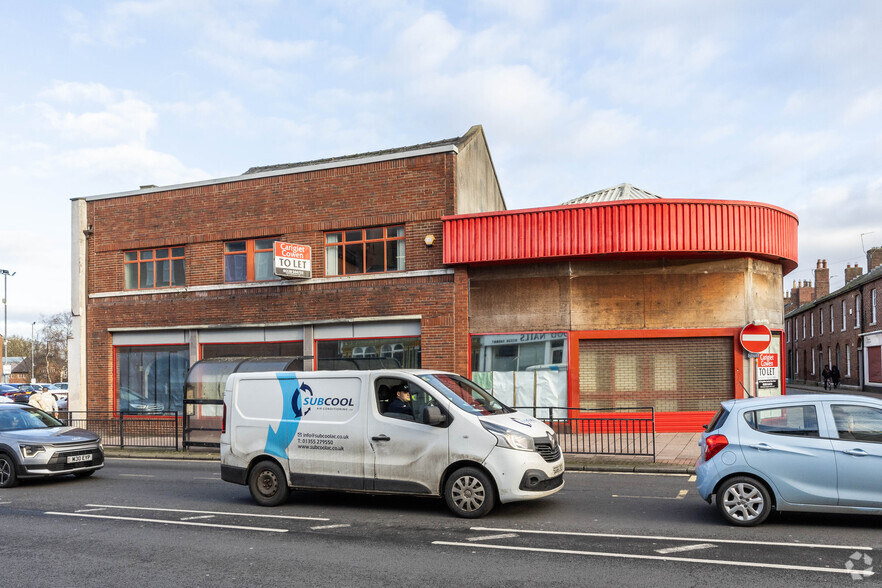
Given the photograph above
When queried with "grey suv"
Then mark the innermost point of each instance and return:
(35, 444)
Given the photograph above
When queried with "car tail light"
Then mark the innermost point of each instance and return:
(713, 445)
(224, 420)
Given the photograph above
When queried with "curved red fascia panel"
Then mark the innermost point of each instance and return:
(627, 228)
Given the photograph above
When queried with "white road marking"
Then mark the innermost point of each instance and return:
(136, 476)
(214, 512)
(657, 558)
(686, 548)
(679, 496)
(89, 509)
(487, 537)
(161, 522)
(329, 527)
(690, 539)
(198, 517)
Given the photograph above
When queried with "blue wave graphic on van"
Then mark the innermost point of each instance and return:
(279, 438)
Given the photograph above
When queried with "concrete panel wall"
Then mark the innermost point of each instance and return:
(624, 295)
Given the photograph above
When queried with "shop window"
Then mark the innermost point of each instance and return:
(150, 379)
(364, 251)
(358, 354)
(154, 268)
(249, 261)
(522, 369)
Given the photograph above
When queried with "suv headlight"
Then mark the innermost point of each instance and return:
(31, 450)
(510, 438)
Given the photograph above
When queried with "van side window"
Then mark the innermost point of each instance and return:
(801, 421)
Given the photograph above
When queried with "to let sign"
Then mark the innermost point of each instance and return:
(755, 338)
(291, 260)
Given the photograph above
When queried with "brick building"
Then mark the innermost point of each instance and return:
(841, 328)
(602, 302)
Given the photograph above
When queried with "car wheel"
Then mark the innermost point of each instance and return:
(8, 479)
(268, 484)
(85, 474)
(470, 493)
(744, 501)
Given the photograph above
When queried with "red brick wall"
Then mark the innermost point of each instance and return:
(298, 208)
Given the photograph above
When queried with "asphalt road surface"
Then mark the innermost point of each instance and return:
(173, 523)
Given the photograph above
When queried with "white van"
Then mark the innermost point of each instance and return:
(384, 431)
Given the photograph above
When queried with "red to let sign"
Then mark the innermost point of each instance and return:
(755, 338)
(292, 260)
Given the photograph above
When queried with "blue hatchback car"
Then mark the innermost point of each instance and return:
(810, 453)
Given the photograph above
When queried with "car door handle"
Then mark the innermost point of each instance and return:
(380, 438)
(855, 452)
(761, 447)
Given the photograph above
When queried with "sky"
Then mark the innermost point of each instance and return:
(777, 102)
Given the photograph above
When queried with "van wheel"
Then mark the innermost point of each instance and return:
(744, 501)
(469, 493)
(267, 484)
(8, 479)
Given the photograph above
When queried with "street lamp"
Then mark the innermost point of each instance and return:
(4, 378)
(33, 368)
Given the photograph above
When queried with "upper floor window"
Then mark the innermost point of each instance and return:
(249, 261)
(857, 311)
(364, 251)
(154, 268)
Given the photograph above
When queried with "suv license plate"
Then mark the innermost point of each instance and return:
(79, 458)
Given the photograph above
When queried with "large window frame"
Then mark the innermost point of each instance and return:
(363, 251)
(249, 260)
(147, 269)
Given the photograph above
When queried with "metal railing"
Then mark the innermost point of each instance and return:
(122, 429)
(600, 431)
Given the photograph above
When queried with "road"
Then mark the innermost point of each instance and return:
(173, 523)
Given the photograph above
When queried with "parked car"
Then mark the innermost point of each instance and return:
(35, 444)
(810, 453)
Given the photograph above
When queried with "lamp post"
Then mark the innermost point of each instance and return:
(3, 377)
(33, 367)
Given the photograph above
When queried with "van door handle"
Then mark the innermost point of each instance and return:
(855, 452)
(380, 438)
(761, 447)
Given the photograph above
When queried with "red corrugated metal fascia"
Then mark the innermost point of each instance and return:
(649, 228)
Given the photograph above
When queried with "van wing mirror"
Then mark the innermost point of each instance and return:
(432, 415)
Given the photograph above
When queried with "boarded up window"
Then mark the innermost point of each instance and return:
(669, 374)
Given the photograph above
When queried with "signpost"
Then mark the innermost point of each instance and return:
(292, 261)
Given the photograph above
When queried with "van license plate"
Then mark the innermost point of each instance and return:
(558, 469)
(79, 458)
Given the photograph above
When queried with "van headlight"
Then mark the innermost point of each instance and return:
(31, 450)
(510, 438)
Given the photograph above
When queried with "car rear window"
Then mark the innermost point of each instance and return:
(719, 420)
(801, 421)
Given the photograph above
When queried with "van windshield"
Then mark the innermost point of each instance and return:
(466, 394)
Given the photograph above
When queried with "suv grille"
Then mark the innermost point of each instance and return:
(548, 453)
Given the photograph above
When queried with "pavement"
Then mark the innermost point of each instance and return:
(674, 452)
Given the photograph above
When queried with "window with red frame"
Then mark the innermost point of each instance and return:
(154, 268)
(364, 251)
(249, 261)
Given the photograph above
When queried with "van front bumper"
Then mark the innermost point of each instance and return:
(524, 475)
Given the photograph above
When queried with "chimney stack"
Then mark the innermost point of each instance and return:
(853, 272)
(874, 258)
(822, 279)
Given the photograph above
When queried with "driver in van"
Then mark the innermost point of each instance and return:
(401, 403)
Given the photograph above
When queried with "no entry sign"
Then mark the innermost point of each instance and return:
(755, 338)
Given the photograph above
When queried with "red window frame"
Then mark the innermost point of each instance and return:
(250, 251)
(155, 256)
(346, 240)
